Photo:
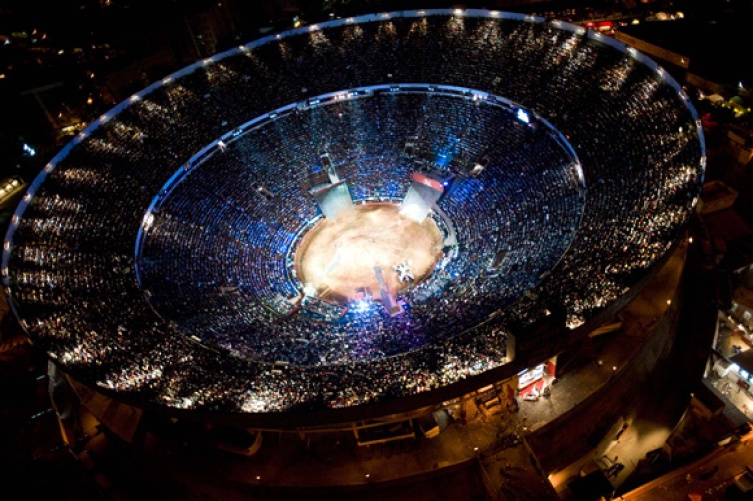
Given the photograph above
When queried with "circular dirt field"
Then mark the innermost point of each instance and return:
(336, 257)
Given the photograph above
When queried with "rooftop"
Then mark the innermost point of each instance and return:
(714, 45)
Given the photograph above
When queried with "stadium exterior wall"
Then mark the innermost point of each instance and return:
(579, 430)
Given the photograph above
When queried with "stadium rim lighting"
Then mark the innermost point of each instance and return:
(195, 151)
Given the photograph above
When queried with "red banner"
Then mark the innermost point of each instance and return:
(427, 181)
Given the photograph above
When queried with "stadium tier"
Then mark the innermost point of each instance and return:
(155, 255)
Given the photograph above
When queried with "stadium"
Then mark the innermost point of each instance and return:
(355, 219)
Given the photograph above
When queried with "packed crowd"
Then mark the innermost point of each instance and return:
(204, 241)
(196, 328)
